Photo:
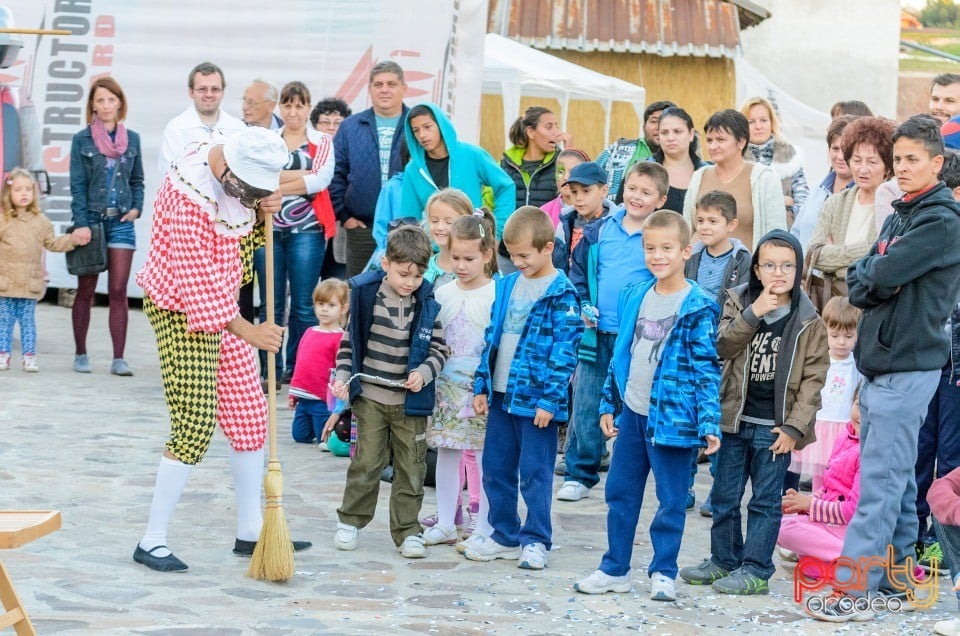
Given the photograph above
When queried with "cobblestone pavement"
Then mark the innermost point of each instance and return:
(89, 446)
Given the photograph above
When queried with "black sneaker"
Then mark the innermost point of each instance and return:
(246, 548)
(841, 608)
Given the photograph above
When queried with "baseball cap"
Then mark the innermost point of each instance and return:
(587, 173)
(256, 156)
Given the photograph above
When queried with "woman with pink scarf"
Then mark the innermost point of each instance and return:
(106, 183)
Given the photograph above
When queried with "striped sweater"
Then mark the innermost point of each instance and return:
(387, 354)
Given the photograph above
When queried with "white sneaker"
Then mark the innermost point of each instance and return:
(488, 550)
(4, 361)
(572, 491)
(413, 547)
(789, 556)
(323, 447)
(30, 364)
(662, 587)
(534, 557)
(947, 628)
(437, 535)
(346, 537)
(600, 583)
(469, 541)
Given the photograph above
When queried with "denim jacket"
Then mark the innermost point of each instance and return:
(546, 354)
(89, 178)
(685, 396)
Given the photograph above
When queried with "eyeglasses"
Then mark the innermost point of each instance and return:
(208, 90)
(785, 268)
(239, 190)
(253, 104)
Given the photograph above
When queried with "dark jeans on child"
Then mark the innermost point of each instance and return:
(516, 452)
(634, 458)
(742, 456)
(585, 441)
(309, 419)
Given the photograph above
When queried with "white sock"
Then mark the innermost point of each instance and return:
(247, 468)
(172, 476)
(448, 486)
(483, 512)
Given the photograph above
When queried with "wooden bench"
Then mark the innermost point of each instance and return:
(17, 528)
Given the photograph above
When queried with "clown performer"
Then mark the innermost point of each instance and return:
(209, 199)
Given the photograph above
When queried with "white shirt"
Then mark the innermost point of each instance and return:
(187, 128)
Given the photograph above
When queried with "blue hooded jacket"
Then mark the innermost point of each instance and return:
(471, 168)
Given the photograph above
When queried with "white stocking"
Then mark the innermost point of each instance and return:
(172, 477)
(483, 523)
(448, 486)
(247, 468)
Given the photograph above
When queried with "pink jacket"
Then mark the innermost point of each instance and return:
(837, 500)
(944, 498)
(553, 208)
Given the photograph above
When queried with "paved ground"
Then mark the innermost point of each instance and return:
(89, 445)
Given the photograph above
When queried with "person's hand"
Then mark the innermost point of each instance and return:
(340, 390)
(784, 443)
(542, 418)
(606, 425)
(765, 303)
(130, 216)
(329, 426)
(713, 444)
(270, 204)
(292, 401)
(265, 336)
(480, 405)
(564, 140)
(352, 223)
(793, 502)
(414, 382)
(81, 235)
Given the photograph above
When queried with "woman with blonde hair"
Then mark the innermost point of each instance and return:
(767, 146)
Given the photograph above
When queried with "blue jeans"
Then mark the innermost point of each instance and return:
(892, 410)
(747, 455)
(260, 275)
(13, 311)
(938, 444)
(694, 465)
(518, 459)
(585, 441)
(309, 419)
(635, 456)
(297, 257)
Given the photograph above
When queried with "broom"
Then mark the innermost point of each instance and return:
(273, 557)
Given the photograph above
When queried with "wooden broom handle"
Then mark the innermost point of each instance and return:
(271, 357)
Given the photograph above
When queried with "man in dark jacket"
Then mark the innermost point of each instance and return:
(907, 285)
(367, 152)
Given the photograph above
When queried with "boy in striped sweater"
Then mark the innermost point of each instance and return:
(394, 343)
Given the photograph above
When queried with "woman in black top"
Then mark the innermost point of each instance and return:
(678, 154)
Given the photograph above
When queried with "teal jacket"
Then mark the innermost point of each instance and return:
(471, 168)
(685, 396)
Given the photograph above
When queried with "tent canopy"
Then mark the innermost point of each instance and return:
(512, 69)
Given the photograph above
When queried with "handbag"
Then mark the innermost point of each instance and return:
(821, 286)
(90, 258)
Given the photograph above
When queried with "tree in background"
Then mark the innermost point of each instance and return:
(940, 13)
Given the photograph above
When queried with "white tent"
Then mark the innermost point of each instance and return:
(512, 69)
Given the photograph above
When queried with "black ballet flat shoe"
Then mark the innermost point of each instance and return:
(246, 548)
(168, 563)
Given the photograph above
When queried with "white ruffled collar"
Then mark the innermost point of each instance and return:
(190, 174)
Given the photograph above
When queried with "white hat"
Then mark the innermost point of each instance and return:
(256, 156)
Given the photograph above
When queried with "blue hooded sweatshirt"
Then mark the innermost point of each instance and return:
(471, 168)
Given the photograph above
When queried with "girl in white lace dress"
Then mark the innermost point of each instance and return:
(464, 313)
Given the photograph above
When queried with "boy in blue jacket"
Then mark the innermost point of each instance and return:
(522, 380)
(665, 381)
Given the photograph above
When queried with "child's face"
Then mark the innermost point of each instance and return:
(441, 216)
(712, 227)
(469, 261)
(427, 134)
(564, 166)
(782, 265)
(587, 199)
(403, 278)
(663, 253)
(840, 342)
(21, 192)
(641, 198)
(329, 312)
(531, 262)
(855, 415)
(913, 166)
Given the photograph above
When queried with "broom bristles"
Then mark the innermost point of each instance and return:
(273, 557)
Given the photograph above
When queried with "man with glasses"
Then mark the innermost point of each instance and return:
(259, 100)
(203, 120)
(208, 202)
